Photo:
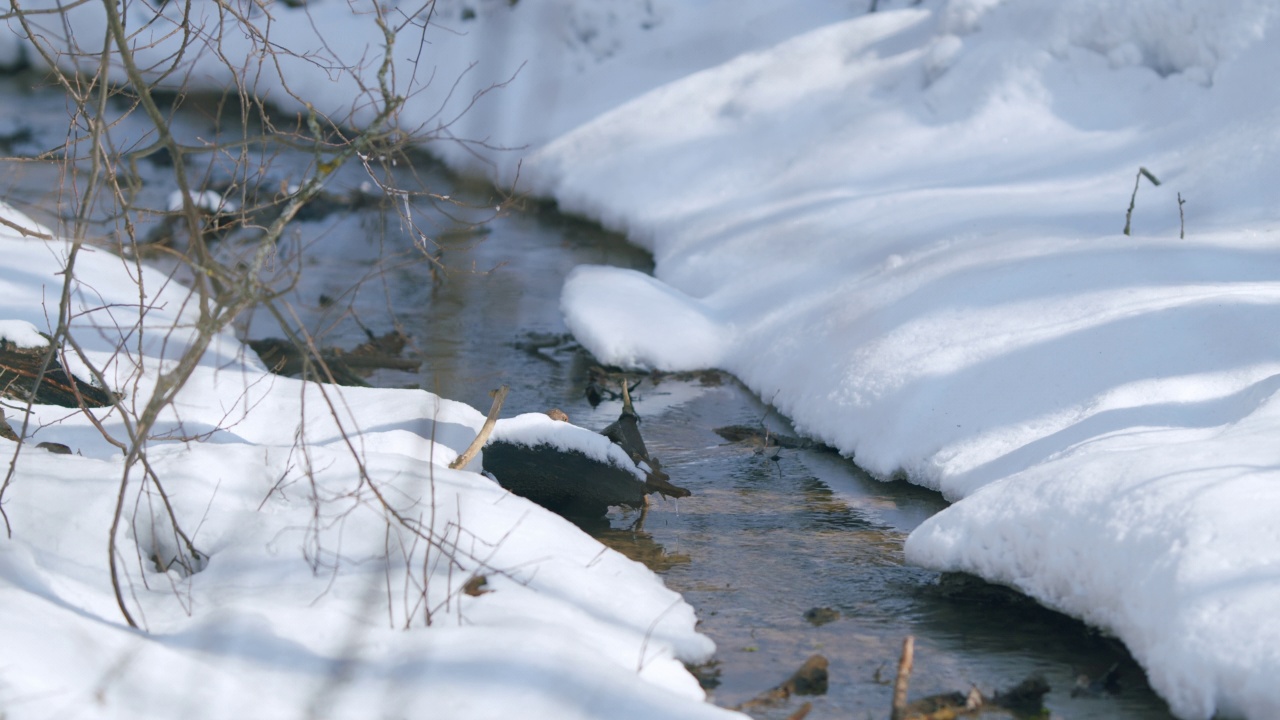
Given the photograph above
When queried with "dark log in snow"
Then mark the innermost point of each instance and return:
(567, 482)
(20, 379)
(572, 470)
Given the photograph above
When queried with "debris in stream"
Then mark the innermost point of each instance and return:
(1024, 700)
(707, 674)
(380, 352)
(810, 679)
(545, 346)
(20, 379)
(600, 384)
(821, 615)
(625, 432)
(1106, 683)
(601, 380)
(765, 438)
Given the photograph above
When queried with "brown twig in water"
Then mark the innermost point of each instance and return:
(904, 677)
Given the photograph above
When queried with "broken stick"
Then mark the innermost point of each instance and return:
(904, 677)
(461, 461)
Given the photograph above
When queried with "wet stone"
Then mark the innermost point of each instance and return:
(821, 615)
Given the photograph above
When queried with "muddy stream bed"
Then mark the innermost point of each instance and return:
(784, 553)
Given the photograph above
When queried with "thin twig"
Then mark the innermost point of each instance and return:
(904, 677)
(1142, 172)
(1182, 220)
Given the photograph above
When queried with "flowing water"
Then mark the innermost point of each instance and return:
(784, 553)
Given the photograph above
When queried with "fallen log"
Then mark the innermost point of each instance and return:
(20, 379)
(568, 482)
(571, 470)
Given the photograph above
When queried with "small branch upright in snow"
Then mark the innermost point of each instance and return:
(1182, 219)
(1142, 172)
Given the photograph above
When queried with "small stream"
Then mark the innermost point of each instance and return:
(767, 538)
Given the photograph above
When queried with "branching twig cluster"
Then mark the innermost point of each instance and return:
(227, 280)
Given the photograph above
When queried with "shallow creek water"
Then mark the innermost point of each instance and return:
(765, 538)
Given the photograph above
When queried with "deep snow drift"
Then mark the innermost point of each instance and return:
(904, 230)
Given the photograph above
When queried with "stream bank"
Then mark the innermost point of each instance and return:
(784, 554)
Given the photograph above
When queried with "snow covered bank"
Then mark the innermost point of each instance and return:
(904, 229)
(313, 509)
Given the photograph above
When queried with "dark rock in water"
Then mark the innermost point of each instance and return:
(761, 437)
(810, 679)
(20, 368)
(565, 482)
(1027, 697)
(821, 615)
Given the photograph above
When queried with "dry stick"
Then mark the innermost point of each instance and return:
(904, 676)
(461, 461)
(1182, 220)
(1134, 197)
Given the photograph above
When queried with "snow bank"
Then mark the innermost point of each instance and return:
(910, 221)
(314, 509)
(623, 315)
(21, 334)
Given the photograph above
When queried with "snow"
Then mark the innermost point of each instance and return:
(611, 311)
(21, 334)
(207, 200)
(311, 595)
(904, 230)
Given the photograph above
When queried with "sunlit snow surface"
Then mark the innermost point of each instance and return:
(314, 600)
(904, 229)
